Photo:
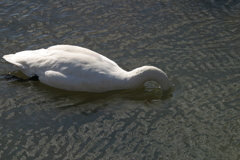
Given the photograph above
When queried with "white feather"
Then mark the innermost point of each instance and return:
(79, 69)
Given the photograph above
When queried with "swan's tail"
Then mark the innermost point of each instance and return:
(11, 58)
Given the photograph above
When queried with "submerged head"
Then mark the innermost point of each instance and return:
(150, 73)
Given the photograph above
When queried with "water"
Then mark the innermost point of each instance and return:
(195, 42)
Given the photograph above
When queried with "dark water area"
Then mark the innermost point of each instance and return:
(197, 43)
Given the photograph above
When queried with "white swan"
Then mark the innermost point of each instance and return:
(79, 69)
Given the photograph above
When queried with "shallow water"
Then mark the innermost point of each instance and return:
(197, 43)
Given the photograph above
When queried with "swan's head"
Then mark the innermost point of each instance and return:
(150, 73)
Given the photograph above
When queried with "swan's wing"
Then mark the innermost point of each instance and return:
(80, 51)
(70, 82)
(74, 49)
(54, 79)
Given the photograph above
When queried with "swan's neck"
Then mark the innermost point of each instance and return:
(139, 76)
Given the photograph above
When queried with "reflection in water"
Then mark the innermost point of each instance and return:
(195, 42)
(151, 92)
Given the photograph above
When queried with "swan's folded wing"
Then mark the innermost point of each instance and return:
(66, 82)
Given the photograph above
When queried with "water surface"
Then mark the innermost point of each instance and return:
(195, 42)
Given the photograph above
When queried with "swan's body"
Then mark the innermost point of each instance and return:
(79, 69)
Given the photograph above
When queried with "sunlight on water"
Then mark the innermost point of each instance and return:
(195, 43)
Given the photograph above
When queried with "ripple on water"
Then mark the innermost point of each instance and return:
(195, 43)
